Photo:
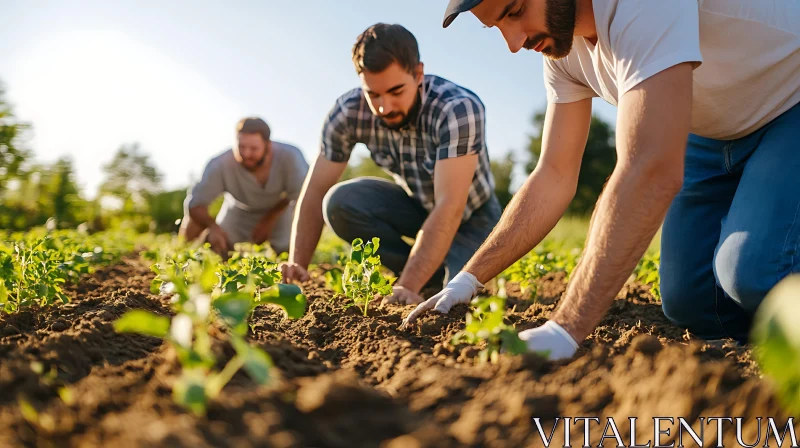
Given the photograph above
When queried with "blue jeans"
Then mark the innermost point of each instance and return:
(733, 232)
(370, 207)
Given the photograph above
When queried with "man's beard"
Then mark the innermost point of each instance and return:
(411, 115)
(560, 21)
(257, 164)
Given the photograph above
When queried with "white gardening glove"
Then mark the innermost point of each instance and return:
(550, 337)
(461, 289)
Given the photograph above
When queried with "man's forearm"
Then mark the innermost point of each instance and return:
(274, 213)
(529, 217)
(431, 247)
(201, 216)
(627, 217)
(306, 229)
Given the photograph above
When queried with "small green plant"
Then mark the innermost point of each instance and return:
(647, 272)
(34, 266)
(544, 259)
(362, 278)
(776, 339)
(197, 307)
(32, 275)
(485, 324)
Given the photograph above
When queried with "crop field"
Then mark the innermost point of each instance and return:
(115, 339)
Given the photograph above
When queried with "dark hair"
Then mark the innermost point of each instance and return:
(381, 44)
(254, 125)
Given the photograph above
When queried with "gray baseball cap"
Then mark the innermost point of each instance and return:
(456, 7)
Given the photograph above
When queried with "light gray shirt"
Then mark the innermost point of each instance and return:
(224, 174)
(246, 200)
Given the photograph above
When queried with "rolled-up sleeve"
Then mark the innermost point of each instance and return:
(462, 129)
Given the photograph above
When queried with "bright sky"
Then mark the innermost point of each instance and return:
(176, 76)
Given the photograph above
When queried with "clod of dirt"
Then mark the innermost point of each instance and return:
(646, 344)
(59, 326)
(331, 393)
(10, 330)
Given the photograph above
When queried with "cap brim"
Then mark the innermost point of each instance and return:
(449, 19)
(455, 8)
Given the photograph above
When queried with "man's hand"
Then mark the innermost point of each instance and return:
(294, 272)
(403, 296)
(261, 232)
(461, 289)
(451, 178)
(551, 338)
(218, 240)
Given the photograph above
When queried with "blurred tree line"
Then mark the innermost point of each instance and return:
(34, 193)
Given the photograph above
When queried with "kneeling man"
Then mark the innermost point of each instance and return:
(260, 178)
(429, 134)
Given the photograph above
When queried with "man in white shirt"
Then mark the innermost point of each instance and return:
(722, 75)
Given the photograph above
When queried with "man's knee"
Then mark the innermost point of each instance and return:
(745, 273)
(679, 302)
(340, 204)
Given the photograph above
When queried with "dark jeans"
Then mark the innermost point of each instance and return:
(733, 232)
(371, 207)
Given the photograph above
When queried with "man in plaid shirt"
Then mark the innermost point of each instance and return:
(429, 134)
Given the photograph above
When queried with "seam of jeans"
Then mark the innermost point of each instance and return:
(787, 244)
(726, 154)
(716, 311)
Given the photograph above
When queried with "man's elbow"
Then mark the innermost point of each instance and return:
(663, 181)
(451, 208)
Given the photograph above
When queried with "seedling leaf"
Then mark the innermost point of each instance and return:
(189, 391)
(288, 297)
(143, 322)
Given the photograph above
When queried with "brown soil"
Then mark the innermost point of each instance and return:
(345, 380)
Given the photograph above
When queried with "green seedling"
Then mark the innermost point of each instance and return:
(362, 279)
(647, 272)
(34, 266)
(198, 306)
(544, 259)
(485, 324)
(776, 340)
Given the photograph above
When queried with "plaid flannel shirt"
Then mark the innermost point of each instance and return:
(451, 123)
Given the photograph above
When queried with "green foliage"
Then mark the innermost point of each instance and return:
(362, 278)
(144, 322)
(485, 324)
(333, 278)
(166, 209)
(288, 297)
(365, 167)
(647, 272)
(35, 266)
(43, 194)
(546, 258)
(598, 162)
(776, 339)
(503, 171)
(131, 176)
(12, 155)
(205, 290)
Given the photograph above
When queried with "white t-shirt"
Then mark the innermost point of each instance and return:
(746, 55)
